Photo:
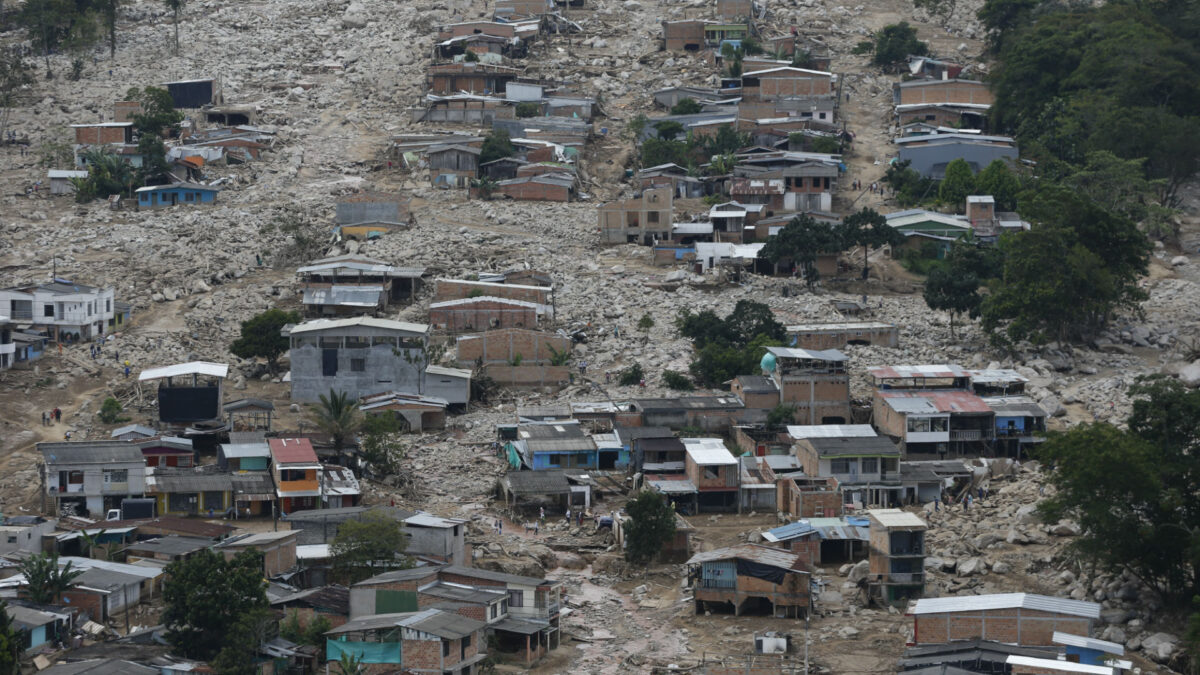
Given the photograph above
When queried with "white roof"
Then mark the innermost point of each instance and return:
(191, 368)
(896, 518)
(449, 372)
(1054, 664)
(791, 69)
(312, 551)
(980, 199)
(926, 216)
(61, 173)
(492, 284)
(1088, 643)
(831, 431)
(816, 355)
(975, 603)
(708, 451)
(102, 124)
(371, 322)
(846, 325)
(429, 520)
(692, 228)
(240, 450)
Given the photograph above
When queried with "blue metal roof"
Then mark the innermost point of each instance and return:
(789, 531)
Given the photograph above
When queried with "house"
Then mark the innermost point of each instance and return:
(803, 496)
(668, 97)
(24, 533)
(837, 335)
(866, 466)
(104, 592)
(90, 477)
(715, 34)
(60, 180)
(504, 346)
(168, 549)
(786, 82)
(756, 484)
(672, 177)
(244, 456)
(339, 487)
(928, 232)
(683, 36)
(751, 578)
(945, 102)
(428, 641)
(153, 196)
(194, 93)
(631, 440)
(420, 413)
(710, 413)
(370, 206)
(814, 382)
(294, 466)
(349, 285)
(253, 493)
(37, 629)
(471, 77)
(532, 601)
(553, 489)
(167, 451)
(331, 603)
(556, 186)
(928, 155)
(278, 550)
(710, 466)
(486, 312)
(61, 309)
(800, 538)
(452, 165)
(359, 356)
(452, 385)
(249, 414)
(458, 289)
(969, 656)
(756, 391)
(735, 222)
(18, 347)
(1019, 618)
(735, 10)
(897, 555)
(553, 445)
(1024, 665)
(191, 392)
(133, 432)
(429, 536)
(930, 410)
(787, 181)
(644, 219)
(1092, 652)
(190, 493)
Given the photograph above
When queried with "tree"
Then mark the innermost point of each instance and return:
(686, 106)
(108, 9)
(11, 643)
(895, 42)
(727, 140)
(1120, 186)
(1132, 491)
(731, 346)
(368, 546)
(677, 381)
(1002, 17)
(656, 151)
(667, 130)
(801, 241)
(909, 186)
(781, 415)
(380, 447)
(722, 165)
(175, 7)
(349, 664)
(108, 174)
(154, 159)
(528, 109)
(15, 77)
(651, 526)
(337, 415)
(998, 180)
(206, 596)
(251, 630)
(110, 411)
(46, 579)
(632, 376)
(262, 336)
(496, 145)
(953, 291)
(47, 24)
(869, 229)
(486, 186)
(158, 114)
(958, 184)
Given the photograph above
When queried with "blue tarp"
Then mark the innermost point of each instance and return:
(367, 652)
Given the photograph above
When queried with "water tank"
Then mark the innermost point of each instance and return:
(768, 362)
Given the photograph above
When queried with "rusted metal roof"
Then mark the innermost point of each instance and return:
(764, 555)
(935, 401)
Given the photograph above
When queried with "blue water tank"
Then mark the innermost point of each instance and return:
(768, 362)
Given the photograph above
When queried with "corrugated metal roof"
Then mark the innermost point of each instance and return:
(764, 555)
(345, 296)
(191, 368)
(484, 298)
(1014, 406)
(537, 483)
(188, 482)
(371, 322)
(560, 444)
(292, 451)
(443, 371)
(995, 376)
(1055, 664)
(90, 452)
(1088, 643)
(673, 487)
(811, 354)
(708, 451)
(789, 531)
(934, 401)
(831, 431)
(896, 518)
(939, 371)
(975, 603)
(837, 327)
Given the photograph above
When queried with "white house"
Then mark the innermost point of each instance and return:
(90, 477)
(60, 308)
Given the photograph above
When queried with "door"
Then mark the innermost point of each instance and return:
(329, 362)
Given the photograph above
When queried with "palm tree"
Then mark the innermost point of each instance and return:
(46, 581)
(338, 416)
(175, 6)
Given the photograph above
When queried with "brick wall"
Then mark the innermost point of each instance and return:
(123, 111)
(92, 603)
(536, 192)
(99, 135)
(1027, 627)
(809, 549)
(949, 91)
(457, 289)
(529, 376)
(680, 34)
(792, 84)
(501, 346)
(425, 654)
(482, 315)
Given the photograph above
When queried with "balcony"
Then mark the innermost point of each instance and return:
(73, 488)
(8, 348)
(966, 435)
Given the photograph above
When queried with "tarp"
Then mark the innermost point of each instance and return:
(750, 568)
(367, 652)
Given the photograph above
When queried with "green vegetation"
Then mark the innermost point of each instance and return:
(312, 634)
(800, 242)
(240, 653)
(558, 358)
(56, 26)
(108, 174)
(15, 76)
(645, 323)
(11, 643)
(337, 415)
(958, 184)
(1132, 490)
(894, 43)
(110, 411)
(487, 187)
(726, 348)
(261, 336)
(677, 381)
(686, 106)
(206, 595)
(368, 546)
(175, 7)
(909, 186)
(999, 181)
(632, 375)
(868, 229)
(496, 145)
(528, 109)
(781, 415)
(954, 286)
(46, 580)
(651, 526)
(516, 360)
(380, 445)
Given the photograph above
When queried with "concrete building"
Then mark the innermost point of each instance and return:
(897, 555)
(60, 309)
(154, 196)
(24, 533)
(786, 82)
(815, 382)
(866, 465)
(1015, 618)
(644, 219)
(751, 579)
(359, 356)
(929, 154)
(89, 477)
(714, 471)
(838, 335)
(355, 285)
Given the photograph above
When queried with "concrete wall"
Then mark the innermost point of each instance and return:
(383, 371)
(349, 213)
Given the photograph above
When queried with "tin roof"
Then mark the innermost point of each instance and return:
(914, 401)
(789, 531)
(537, 483)
(191, 368)
(941, 371)
(852, 446)
(975, 603)
(292, 451)
(1088, 643)
(673, 487)
(90, 452)
(371, 322)
(708, 451)
(896, 518)
(837, 327)
(764, 555)
(831, 431)
(1042, 665)
(995, 376)
(344, 296)
(811, 354)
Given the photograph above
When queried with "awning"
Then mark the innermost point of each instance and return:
(518, 626)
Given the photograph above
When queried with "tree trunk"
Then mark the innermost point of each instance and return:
(952, 336)
(176, 31)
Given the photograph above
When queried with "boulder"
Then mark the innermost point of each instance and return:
(971, 566)
(355, 16)
(1190, 374)
(1179, 260)
(1001, 567)
(1160, 646)
(1065, 528)
(571, 561)
(986, 539)
(859, 572)
(1027, 515)
(1014, 536)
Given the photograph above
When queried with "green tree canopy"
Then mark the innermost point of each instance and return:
(800, 242)
(205, 597)
(496, 145)
(686, 106)
(158, 114)
(656, 151)
(731, 346)
(958, 184)
(240, 655)
(999, 181)
(869, 229)
(367, 546)
(668, 130)
(894, 43)
(261, 336)
(651, 526)
(337, 415)
(726, 141)
(11, 643)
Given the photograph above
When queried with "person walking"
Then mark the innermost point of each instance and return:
(541, 514)
(57, 414)
(568, 515)
(127, 372)
(43, 418)
(579, 518)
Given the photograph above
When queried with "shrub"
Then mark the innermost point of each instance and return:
(677, 381)
(632, 375)
(646, 322)
(528, 109)
(110, 411)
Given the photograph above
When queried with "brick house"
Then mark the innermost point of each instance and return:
(642, 219)
(503, 346)
(458, 289)
(865, 464)
(756, 391)
(751, 578)
(105, 133)
(942, 102)
(786, 82)
(278, 549)
(815, 382)
(714, 471)
(484, 313)
(808, 497)
(547, 187)
(800, 538)
(476, 78)
(294, 466)
(426, 641)
(896, 555)
(1018, 618)
(683, 36)
(838, 335)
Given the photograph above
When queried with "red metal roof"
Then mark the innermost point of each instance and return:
(944, 401)
(292, 451)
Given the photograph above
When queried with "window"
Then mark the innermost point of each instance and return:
(108, 305)
(918, 424)
(12, 538)
(184, 461)
(870, 465)
(91, 308)
(554, 460)
(516, 598)
(652, 217)
(445, 648)
(940, 424)
(75, 478)
(840, 466)
(358, 365)
(493, 611)
(389, 340)
(48, 310)
(116, 476)
(356, 342)
(504, 606)
(466, 642)
(711, 473)
(190, 197)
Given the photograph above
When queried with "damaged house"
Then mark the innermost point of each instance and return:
(355, 285)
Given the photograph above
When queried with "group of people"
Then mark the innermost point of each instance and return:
(875, 187)
(51, 417)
